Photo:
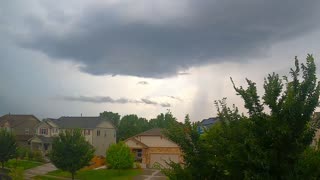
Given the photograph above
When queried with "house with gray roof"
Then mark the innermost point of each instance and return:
(23, 126)
(99, 133)
(206, 124)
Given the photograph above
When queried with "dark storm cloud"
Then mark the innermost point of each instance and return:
(107, 99)
(209, 31)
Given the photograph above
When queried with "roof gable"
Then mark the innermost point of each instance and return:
(28, 121)
(152, 138)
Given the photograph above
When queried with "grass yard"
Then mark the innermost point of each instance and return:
(97, 174)
(25, 164)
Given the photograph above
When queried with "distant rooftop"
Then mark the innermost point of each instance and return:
(152, 132)
(77, 122)
(209, 122)
(19, 119)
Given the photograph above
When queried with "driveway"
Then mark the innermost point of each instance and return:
(151, 174)
(39, 170)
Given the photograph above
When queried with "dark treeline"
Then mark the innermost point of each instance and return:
(130, 125)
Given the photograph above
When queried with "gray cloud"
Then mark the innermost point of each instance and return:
(183, 73)
(106, 41)
(143, 83)
(175, 98)
(107, 99)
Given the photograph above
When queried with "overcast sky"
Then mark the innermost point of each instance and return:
(66, 58)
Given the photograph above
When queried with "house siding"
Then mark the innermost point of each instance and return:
(160, 150)
(44, 125)
(102, 142)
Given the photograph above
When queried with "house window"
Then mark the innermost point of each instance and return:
(105, 133)
(26, 131)
(98, 132)
(138, 153)
(87, 132)
(43, 131)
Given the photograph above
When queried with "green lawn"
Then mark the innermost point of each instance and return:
(22, 164)
(97, 174)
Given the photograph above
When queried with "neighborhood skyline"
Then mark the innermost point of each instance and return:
(144, 57)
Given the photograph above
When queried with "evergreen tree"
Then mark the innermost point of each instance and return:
(8, 146)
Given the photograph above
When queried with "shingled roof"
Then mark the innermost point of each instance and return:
(77, 122)
(209, 122)
(152, 132)
(15, 120)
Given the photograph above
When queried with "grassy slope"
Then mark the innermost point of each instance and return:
(22, 163)
(99, 174)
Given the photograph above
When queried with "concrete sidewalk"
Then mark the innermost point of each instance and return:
(40, 170)
(151, 174)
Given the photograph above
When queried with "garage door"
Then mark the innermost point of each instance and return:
(162, 158)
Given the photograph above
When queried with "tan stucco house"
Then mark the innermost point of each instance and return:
(152, 148)
(99, 133)
(23, 126)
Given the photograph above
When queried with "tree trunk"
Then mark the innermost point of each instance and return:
(72, 174)
(2, 164)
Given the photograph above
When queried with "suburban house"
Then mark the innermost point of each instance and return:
(99, 133)
(152, 148)
(23, 126)
(316, 118)
(207, 123)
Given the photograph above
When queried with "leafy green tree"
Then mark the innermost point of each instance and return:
(8, 146)
(70, 151)
(163, 120)
(264, 144)
(131, 125)
(119, 156)
(309, 163)
(282, 135)
(187, 137)
(114, 118)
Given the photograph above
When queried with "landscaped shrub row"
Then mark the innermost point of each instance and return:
(27, 154)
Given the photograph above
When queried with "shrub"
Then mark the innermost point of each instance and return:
(30, 155)
(23, 153)
(17, 173)
(37, 156)
(119, 156)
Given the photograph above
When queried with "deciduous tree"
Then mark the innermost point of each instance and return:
(262, 144)
(71, 152)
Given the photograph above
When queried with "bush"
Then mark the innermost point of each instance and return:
(22, 152)
(119, 156)
(29, 155)
(176, 171)
(37, 156)
(17, 174)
